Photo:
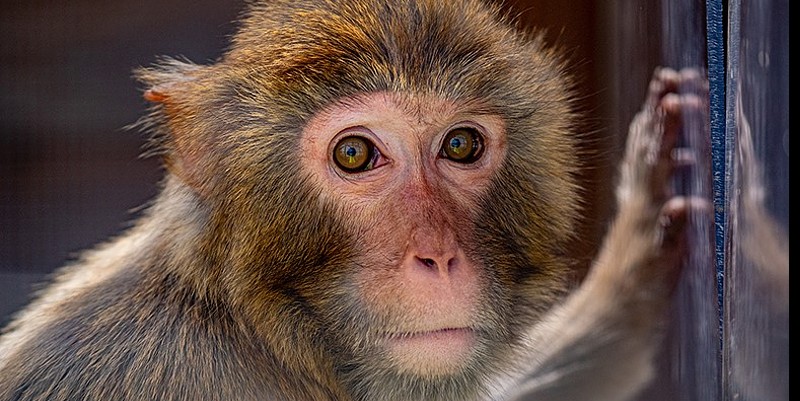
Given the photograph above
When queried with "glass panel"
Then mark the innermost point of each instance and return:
(672, 33)
(756, 348)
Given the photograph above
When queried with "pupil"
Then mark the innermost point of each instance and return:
(351, 151)
(455, 143)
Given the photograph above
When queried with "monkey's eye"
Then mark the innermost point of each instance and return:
(354, 154)
(462, 145)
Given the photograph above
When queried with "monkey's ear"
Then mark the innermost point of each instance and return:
(156, 94)
(166, 77)
(175, 134)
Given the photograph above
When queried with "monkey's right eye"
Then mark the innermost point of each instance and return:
(354, 154)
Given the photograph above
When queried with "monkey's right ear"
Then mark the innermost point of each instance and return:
(176, 135)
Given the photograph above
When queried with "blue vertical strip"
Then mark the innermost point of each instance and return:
(716, 80)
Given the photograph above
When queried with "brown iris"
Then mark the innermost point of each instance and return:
(462, 145)
(353, 154)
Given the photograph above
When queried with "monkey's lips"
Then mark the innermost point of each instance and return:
(433, 352)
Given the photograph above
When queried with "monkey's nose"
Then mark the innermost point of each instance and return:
(441, 265)
(434, 253)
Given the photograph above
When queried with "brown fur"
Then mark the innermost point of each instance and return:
(236, 285)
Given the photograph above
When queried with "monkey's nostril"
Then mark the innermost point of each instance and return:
(428, 262)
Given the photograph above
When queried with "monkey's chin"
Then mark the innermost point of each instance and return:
(433, 353)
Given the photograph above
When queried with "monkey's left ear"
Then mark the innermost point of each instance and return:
(156, 95)
(177, 134)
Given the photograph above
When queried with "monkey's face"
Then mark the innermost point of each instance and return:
(391, 186)
(409, 175)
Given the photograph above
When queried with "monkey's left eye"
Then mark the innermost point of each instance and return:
(462, 145)
(354, 154)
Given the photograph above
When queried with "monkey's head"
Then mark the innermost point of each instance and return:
(385, 187)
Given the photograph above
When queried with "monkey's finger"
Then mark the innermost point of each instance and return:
(683, 122)
(692, 80)
(661, 162)
(671, 107)
(674, 216)
(695, 122)
(684, 162)
(683, 158)
(673, 220)
(683, 114)
(664, 81)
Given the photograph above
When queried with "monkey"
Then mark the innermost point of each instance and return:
(367, 200)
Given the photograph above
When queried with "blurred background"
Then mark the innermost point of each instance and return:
(71, 175)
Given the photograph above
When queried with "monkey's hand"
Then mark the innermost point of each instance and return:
(599, 344)
(642, 252)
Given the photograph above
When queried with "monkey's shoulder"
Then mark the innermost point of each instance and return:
(133, 335)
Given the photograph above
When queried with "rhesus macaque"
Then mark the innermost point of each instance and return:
(366, 200)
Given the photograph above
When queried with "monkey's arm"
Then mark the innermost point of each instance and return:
(599, 344)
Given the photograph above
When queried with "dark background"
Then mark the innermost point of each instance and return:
(70, 173)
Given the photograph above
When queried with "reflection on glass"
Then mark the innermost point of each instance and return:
(756, 346)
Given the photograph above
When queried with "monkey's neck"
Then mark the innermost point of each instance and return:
(176, 228)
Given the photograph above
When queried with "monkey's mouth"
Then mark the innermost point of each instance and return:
(433, 352)
(431, 334)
